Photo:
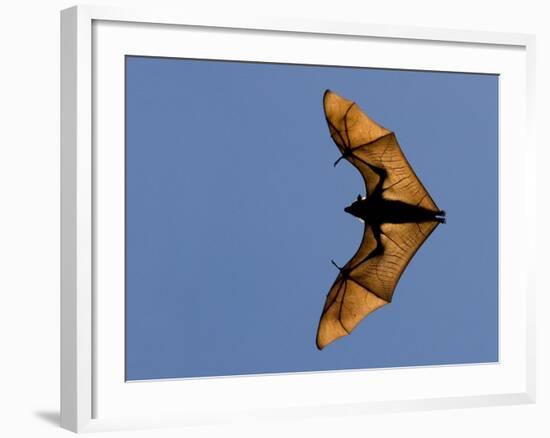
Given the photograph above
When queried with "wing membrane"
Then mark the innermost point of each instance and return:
(366, 144)
(367, 282)
(401, 183)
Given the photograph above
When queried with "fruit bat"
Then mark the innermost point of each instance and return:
(398, 213)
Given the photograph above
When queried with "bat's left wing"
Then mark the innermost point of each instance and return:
(369, 146)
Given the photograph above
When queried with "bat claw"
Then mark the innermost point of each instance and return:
(345, 154)
(344, 272)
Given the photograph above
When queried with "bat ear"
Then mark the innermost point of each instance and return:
(359, 197)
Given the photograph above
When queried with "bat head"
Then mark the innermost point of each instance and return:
(357, 208)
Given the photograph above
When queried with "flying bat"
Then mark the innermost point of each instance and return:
(398, 213)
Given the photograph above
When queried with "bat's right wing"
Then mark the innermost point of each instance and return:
(367, 282)
(348, 301)
(369, 146)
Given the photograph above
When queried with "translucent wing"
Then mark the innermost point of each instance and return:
(367, 282)
(366, 144)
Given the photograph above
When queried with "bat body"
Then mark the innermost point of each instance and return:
(375, 211)
(398, 214)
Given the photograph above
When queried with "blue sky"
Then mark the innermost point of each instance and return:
(234, 211)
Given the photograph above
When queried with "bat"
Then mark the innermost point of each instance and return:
(398, 215)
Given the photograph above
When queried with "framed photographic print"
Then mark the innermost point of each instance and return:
(270, 218)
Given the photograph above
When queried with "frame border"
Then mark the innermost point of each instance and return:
(77, 197)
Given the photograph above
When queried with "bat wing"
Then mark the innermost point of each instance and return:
(368, 280)
(371, 148)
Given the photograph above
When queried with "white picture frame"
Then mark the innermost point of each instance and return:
(94, 395)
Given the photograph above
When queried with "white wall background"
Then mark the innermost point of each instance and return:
(29, 216)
